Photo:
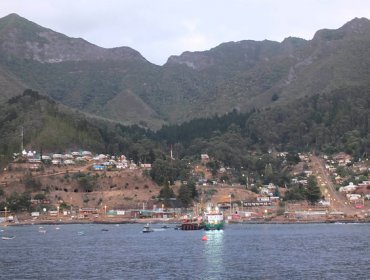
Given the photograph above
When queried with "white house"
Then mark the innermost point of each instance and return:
(349, 188)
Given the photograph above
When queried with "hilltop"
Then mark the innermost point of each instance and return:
(119, 84)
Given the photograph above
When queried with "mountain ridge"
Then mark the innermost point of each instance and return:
(39, 38)
(121, 85)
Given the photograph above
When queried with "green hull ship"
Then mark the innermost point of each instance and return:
(213, 220)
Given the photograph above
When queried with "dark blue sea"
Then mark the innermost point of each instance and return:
(263, 251)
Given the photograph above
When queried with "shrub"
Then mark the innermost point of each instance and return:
(39, 196)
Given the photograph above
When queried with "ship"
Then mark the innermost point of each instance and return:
(194, 223)
(213, 219)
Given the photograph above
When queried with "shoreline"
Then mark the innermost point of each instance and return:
(176, 221)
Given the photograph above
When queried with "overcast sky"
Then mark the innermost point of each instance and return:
(160, 28)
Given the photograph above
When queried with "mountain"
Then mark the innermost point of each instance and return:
(24, 39)
(119, 84)
(79, 74)
(248, 74)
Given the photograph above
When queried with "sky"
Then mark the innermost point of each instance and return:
(161, 28)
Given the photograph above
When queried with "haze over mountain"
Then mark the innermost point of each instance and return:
(121, 85)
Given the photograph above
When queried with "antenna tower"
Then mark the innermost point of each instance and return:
(22, 139)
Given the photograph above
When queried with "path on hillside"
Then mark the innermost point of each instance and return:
(5, 179)
(337, 201)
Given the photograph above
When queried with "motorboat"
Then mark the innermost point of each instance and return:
(147, 229)
(8, 237)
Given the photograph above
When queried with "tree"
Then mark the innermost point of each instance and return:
(163, 171)
(268, 172)
(19, 202)
(313, 193)
(151, 156)
(185, 195)
(193, 189)
(31, 183)
(166, 193)
(295, 192)
(39, 196)
(85, 181)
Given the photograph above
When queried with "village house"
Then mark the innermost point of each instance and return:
(342, 159)
(349, 188)
(204, 158)
(146, 165)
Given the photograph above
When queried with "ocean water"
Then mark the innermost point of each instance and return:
(264, 251)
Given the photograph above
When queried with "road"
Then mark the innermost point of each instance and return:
(337, 201)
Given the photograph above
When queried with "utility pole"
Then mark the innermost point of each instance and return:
(22, 137)
(171, 155)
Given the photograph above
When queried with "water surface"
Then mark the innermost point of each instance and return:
(296, 251)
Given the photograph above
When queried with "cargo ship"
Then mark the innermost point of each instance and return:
(213, 219)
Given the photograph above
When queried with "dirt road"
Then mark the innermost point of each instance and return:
(337, 201)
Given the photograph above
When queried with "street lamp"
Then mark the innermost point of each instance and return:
(5, 211)
(230, 203)
(58, 211)
(105, 210)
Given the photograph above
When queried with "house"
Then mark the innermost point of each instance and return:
(56, 161)
(86, 212)
(102, 157)
(353, 197)
(35, 166)
(80, 159)
(349, 188)
(132, 166)
(46, 158)
(87, 154)
(204, 158)
(57, 156)
(69, 162)
(98, 167)
(342, 159)
(123, 157)
(146, 165)
(68, 156)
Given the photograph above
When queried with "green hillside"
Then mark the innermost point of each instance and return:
(332, 122)
(119, 84)
(45, 124)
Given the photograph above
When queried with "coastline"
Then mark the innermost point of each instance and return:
(177, 221)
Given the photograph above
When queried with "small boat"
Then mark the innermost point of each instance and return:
(165, 226)
(104, 229)
(42, 231)
(8, 237)
(80, 233)
(177, 227)
(147, 229)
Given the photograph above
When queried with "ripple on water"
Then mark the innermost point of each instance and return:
(324, 251)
